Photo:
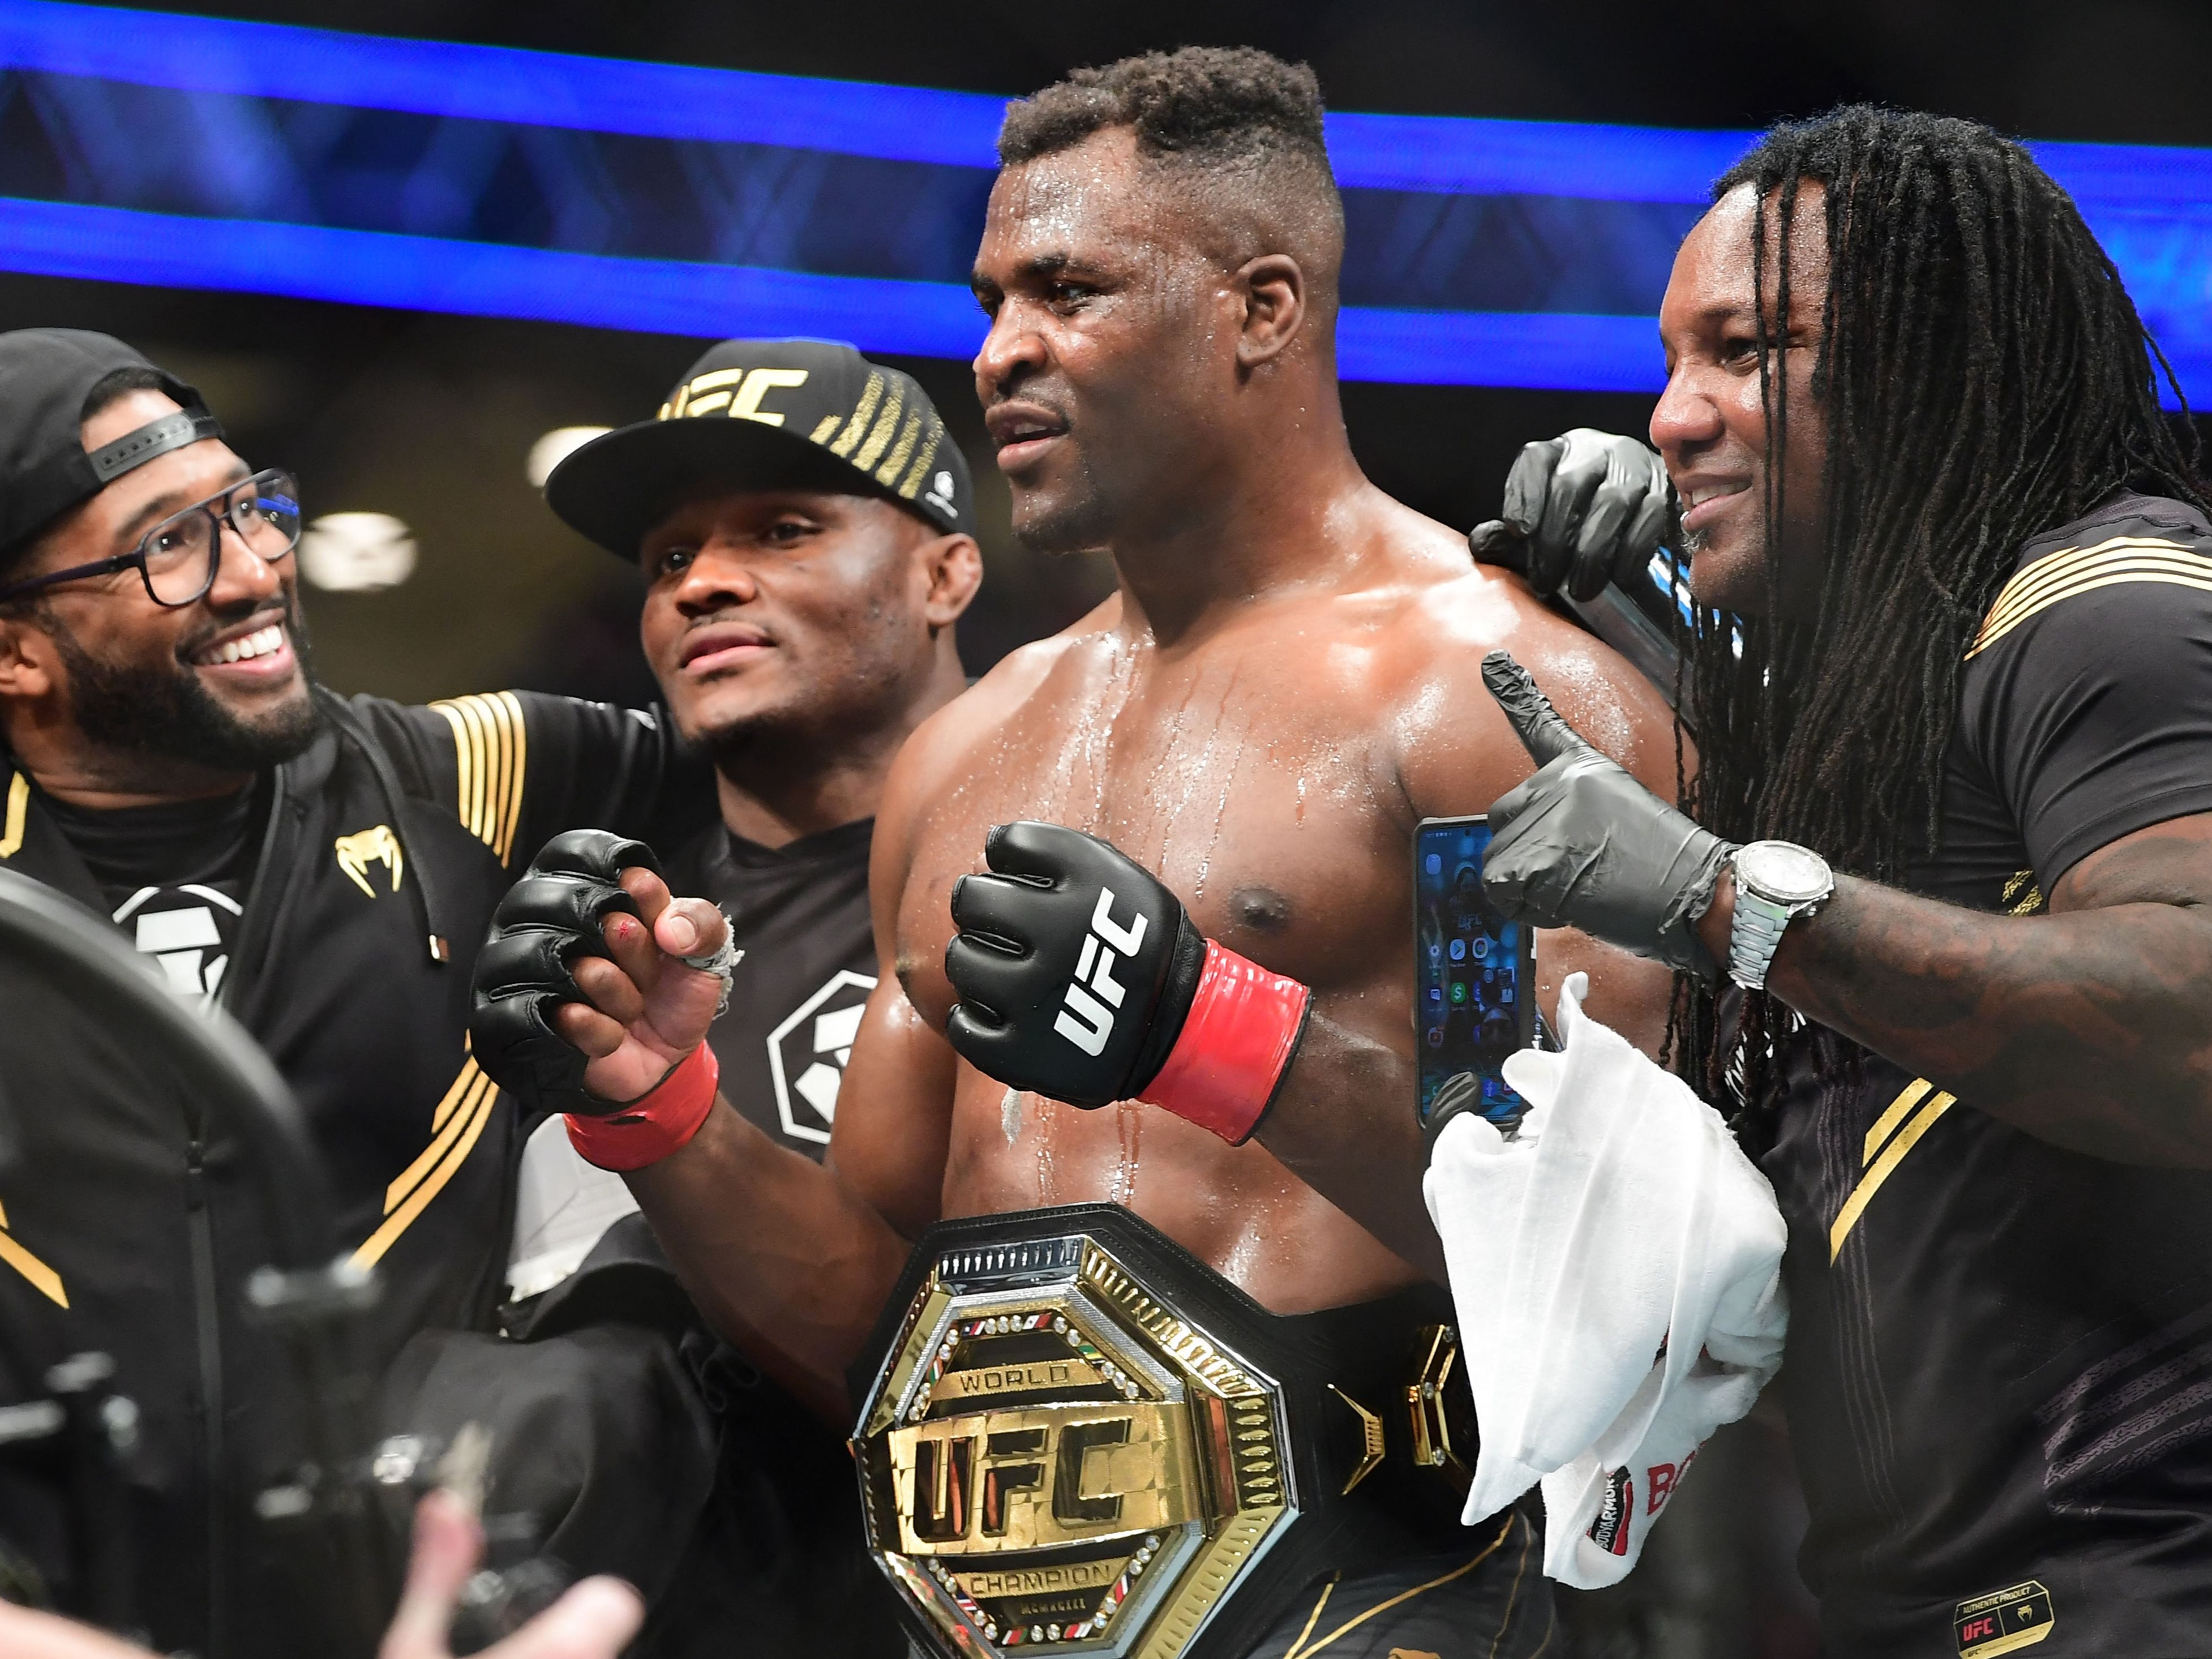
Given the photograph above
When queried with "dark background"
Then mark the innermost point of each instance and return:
(429, 417)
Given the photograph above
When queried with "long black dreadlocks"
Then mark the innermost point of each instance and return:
(1985, 379)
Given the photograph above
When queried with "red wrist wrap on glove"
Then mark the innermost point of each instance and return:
(1243, 1027)
(657, 1122)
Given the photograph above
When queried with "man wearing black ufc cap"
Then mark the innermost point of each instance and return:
(805, 525)
(323, 869)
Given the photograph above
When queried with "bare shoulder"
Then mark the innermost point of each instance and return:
(1456, 751)
(944, 747)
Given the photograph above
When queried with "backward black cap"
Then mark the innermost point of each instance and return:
(45, 375)
(766, 414)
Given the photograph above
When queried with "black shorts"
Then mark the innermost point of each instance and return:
(1487, 1601)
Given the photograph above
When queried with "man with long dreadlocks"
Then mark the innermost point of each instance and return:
(1954, 644)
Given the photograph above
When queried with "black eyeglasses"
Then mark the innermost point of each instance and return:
(177, 558)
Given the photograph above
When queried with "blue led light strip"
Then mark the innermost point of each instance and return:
(484, 279)
(1450, 155)
(498, 83)
(931, 319)
(2151, 207)
(936, 319)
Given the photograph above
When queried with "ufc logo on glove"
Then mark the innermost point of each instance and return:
(1087, 1020)
(1186, 1025)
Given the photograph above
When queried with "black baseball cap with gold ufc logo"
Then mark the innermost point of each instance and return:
(768, 415)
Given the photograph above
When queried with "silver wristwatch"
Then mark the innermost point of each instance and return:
(1776, 882)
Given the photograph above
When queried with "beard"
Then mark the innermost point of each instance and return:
(1079, 517)
(165, 710)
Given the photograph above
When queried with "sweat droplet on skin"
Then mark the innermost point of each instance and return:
(1601, 717)
(1010, 1116)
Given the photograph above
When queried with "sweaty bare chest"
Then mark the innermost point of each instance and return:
(1263, 812)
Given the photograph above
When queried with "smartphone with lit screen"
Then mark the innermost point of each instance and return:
(1474, 976)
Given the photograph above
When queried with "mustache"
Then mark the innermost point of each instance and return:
(1046, 397)
(282, 608)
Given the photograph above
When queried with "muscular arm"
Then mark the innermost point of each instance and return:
(2090, 1027)
(779, 1255)
(1343, 1120)
(791, 1261)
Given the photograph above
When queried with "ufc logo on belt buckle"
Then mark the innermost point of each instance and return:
(1053, 1457)
(1087, 1019)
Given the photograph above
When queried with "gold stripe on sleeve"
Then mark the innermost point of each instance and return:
(484, 768)
(446, 1124)
(19, 804)
(491, 750)
(2074, 571)
(409, 1196)
(516, 773)
(2028, 582)
(499, 739)
(43, 1279)
(464, 763)
(2089, 582)
(2054, 584)
(469, 1074)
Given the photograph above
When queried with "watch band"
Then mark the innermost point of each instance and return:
(1796, 882)
(1754, 936)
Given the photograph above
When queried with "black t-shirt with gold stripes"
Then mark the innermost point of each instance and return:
(131, 1217)
(2000, 1365)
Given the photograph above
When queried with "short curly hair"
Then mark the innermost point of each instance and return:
(1208, 103)
(1234, 116)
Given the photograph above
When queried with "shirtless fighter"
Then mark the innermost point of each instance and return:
(1080, 1434)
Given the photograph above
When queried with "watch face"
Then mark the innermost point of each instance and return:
(1784, 872)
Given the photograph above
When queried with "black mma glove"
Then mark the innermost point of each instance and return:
(549, 919)
(1583, 844)
(1081, 979)
(1581, 509)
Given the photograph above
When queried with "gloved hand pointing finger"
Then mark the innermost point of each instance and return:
(1583, 844)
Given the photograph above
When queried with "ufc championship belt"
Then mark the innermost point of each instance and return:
(1081, 1438)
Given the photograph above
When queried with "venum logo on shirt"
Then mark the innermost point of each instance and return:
(375, 845)
(807, 1053)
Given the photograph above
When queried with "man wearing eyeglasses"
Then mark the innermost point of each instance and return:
(323, 869)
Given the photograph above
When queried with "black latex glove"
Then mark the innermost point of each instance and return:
(1581, 509)
(1075, 968)
(1583, 844)
(549, 919)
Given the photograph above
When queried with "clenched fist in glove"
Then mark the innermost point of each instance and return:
(1081, 979)
(1583, 844)
(1581, 509)
(593, 997)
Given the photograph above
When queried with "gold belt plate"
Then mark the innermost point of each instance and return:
(1052, 1457)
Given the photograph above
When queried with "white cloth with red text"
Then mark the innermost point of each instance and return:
(1617, 1269)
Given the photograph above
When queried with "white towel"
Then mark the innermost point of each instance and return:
(562, 1207)
(1617, 1272)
